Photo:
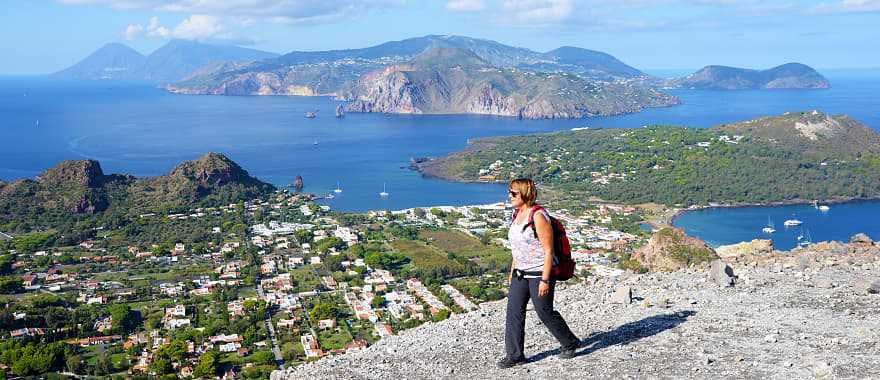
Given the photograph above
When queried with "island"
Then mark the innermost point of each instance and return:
(787, 76)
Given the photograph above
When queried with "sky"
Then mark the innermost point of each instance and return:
(43, 36)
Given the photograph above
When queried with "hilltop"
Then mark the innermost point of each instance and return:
(787, 76)
(454, 80)
(173, 61)
(336, 72)
(795, 157)
(808, 313)
(75, 189)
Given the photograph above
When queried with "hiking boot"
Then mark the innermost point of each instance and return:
(568, 353)
(507, 363)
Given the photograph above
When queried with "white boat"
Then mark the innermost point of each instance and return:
(793, 222)
(338, 189)
(804, 241)
(37, 124)
(824, 208)
(384, 193)
(316, 142)
(769, 229)
(330, 196)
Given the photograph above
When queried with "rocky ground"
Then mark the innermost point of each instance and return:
(810, 313)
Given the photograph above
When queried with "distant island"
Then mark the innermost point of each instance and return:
(455, 80)
(176, 60)
(787, 76)
(795, 157)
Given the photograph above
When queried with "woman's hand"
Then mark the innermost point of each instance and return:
(543, 289)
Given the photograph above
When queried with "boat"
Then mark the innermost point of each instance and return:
(792, 222)
(822, 208)
(804, 240)
(311, 115)
(339, 112)
(338, 189)
(37, 124)
(316, 142)
(769, 228)
(384, 193)
(330, 196)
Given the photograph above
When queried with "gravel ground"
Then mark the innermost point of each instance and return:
(791, 315)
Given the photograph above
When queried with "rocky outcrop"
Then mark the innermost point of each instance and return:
(451, 81)
(755, 247)
(787, 76)
(669, 249)
(771, 325)
(81, 187)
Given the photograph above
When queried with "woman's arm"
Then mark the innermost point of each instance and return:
(545, 236)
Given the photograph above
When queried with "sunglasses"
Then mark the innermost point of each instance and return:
(513, 194)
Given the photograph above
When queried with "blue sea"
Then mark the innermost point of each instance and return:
(721, 226)
(139, 129)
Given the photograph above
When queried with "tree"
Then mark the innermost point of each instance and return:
(207, 366)
(10, 284)
(324, 310)
(331, 242)
(124, 319)
(304, 236)
(377, 302)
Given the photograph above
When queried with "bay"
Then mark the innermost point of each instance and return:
(138, 129)
(722, 225)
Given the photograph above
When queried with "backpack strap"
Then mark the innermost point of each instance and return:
(531, 220)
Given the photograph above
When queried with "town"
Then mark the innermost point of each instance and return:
(240, 290)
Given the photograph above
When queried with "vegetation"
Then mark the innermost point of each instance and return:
(772, 161)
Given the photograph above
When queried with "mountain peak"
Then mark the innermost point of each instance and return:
(84, 173)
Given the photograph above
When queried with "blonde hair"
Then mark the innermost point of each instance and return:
(526, 189)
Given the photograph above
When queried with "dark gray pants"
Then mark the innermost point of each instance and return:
(514, 332)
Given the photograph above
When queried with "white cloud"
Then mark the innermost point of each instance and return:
(133, 31)
(465, 5)
(155, 29)
(848, 6)
(536, 12)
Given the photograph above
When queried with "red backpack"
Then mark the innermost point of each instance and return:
(563, 264)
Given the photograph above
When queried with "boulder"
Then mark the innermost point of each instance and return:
(623, 295)
(823, 283)
(757, 247)
(861, 238)
(866, 287)
(669, 249)
(721, 274)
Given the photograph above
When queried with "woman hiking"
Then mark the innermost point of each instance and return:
(530, 278)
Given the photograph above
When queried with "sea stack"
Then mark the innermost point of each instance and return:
(298, 183)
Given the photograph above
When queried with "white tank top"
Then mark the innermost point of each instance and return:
(525, 247)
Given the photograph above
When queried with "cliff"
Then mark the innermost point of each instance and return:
(336, 72)
(787, 76)
(808, 313)
(450, 81)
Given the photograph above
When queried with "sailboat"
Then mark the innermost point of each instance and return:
(769, 229)
(384, 193)
(803, 240)
(316, 142)
(822, 208)
(339, 112)
(338, 189)
(37, 124)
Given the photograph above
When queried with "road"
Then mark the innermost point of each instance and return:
(268, 316)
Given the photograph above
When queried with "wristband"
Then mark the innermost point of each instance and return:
(545, 281)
